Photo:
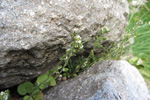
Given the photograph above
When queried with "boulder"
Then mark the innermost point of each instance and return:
(34, 34)
(108, 80)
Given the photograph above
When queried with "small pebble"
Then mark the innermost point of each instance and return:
(64, 78)
(59, 79)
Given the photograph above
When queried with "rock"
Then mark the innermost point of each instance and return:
(108, 80)
(34, 34)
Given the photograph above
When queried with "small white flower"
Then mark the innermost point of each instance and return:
(75, 29)
(60, 76)
(77, 37)
(79, 41)
(74, 50)
(59, 68)
(81, 47)
(68, 50)
(63, 69)
(2, 93)
(76, 46)
(66, 58)
(6, 97)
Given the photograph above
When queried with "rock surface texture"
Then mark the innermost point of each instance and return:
(35, 33)
(109, 80)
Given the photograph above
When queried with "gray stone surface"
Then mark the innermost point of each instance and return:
(108, 80)
(35, 33)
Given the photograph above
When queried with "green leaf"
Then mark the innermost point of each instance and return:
(60, 66)
(133, 60)
(28, 86)
(75, 34)
(104, 38)
(36, 90)
(92, 53)
(101, 30)
(65, 74)
(42, 78)
(43, 81)
(65, 69)
(39, 96)
(53, 83)
(75, 75)
(46, 80)
(140, 62)
(97, 37)
(44, 85)
(21, 89)
(100, 46)
(56, 71)
(51, 71)
(27, 97)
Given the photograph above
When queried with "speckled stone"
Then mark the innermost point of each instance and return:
(108, 80)
(34, 34)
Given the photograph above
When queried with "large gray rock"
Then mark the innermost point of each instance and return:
(109, 80)
(35, 33)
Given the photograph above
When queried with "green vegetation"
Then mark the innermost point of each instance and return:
(65, 68)
(139, 25)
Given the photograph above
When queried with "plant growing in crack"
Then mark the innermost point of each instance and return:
(65, 68)
(32, 91)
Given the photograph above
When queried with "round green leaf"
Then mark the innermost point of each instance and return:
(44, 81)
(42, 78)
(21, 89)
(36, 90)
(39, 96)
(27, 97)
(51, 71)
(28, 87)
(44, 85)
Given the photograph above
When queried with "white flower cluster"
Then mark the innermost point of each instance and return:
(4, 95)
(78, 42)
(77, 39)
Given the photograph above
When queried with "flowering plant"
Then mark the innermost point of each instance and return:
(5, 95)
